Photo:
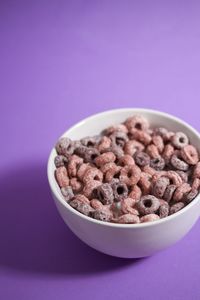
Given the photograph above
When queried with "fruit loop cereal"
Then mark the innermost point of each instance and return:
(128, 174)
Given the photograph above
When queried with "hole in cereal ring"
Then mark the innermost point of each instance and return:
(148, 203)
(181, 140)
(93, 156)
(129, 174)
(138, 126)
(116, 175)
(120, 190)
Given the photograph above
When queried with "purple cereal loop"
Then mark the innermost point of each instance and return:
(141, 159)
(183, 175)
(163, 210)
(120, 191)
(148, 204)
(82, 198)
(83, 208)
(168, 194)
(190, 196)
(160, 186)
(64, 146)
(60, 160)
(119, 138)
(178, 163)
(102, 214)
(104, 193)
(90, 141)
(157, 163)
(176, 207)
(67, 193)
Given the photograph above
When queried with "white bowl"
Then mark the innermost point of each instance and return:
(126, 240)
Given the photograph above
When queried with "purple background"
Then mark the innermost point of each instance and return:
(61, 61)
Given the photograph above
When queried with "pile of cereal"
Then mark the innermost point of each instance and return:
(129, 174)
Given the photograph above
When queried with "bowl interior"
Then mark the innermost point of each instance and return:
(96, 123)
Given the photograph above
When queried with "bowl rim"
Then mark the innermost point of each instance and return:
(52, 181)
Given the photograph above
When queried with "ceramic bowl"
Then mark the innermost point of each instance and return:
(126, 240)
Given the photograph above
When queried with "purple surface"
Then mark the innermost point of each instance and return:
(60, 62)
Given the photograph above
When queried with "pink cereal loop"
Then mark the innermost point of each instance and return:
(181, 191)
(136, 193)
(105, 158)
(168, 152)
(61, 176)
(149, 218)
(130, 175)
(189, 154)
(113, 129)
(82, 198)
(96, 204)
(73, 164)
(112, 173)
(131, 147)
(158, 142)
(89, 187)
(75, 184)
(92, 174)
(147, 169)
(126, 160)
(175, 177)
(82, 169)
(142, 136)
(137, 122)
(127, 206)
(152, 151)
(104, 144)
(145, 183)
(195, 184)
(128, 219)
(196, 173)
(107, 167)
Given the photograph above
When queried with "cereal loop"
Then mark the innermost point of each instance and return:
(190, 155)
(130, 175)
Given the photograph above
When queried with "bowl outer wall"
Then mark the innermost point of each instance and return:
(126, 240)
